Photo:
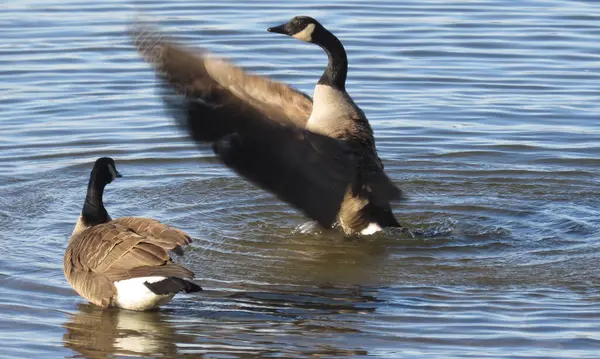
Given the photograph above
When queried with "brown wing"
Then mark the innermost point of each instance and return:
(257, 128)
(97, 289)
(227, 99)
(162, 234)
(110, 252)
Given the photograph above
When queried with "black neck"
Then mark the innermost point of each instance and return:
(337, 65)
(93, 212)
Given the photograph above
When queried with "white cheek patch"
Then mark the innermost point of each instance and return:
(306, 34)
(113, 171)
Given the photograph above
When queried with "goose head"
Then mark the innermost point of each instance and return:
(303, 28)
(104, 171)
(307, 29)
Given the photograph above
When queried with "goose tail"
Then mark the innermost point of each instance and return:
(173, 285)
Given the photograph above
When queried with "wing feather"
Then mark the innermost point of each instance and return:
(228, 98)
(307, 170)
(115, 251)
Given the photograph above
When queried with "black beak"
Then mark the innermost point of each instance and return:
(281, 29)
(118, 175)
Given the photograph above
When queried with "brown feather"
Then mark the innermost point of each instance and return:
(238, 99)
(163, 235)
(97, 289)
(121, 249)
(168, 270)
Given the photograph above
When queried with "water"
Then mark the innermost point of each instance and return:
(485, 113)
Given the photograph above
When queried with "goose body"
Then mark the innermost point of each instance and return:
(123, 262)
(317, 154)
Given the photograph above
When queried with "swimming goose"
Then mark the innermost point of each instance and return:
(318, 155)
(123, 262)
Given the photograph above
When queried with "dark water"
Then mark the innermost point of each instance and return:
(487, 113)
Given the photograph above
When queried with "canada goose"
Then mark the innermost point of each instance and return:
(123, 262)
(318, 155)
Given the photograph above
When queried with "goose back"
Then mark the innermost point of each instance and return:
(118, 250)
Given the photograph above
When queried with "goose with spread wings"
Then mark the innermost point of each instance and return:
(317, 154)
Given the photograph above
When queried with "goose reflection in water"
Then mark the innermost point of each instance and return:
(103, 333)
(235, 324)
